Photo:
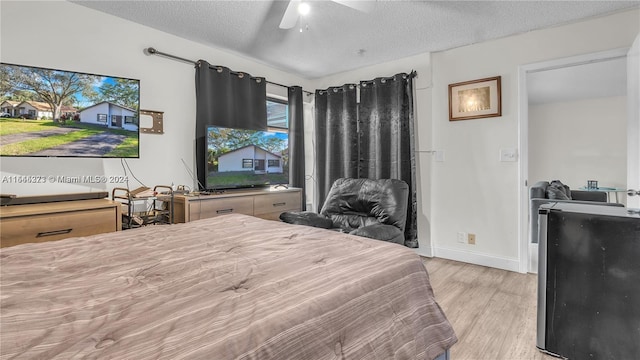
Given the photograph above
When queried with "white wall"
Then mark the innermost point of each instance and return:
(471, 190)
(165, 85)
(578, 141)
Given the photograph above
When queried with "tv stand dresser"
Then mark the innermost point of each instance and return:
(52, 219)
(263, 203)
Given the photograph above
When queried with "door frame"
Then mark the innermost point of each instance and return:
(528, 256)
(633, 121)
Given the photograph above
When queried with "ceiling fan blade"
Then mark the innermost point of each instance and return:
(360, 5)
(290, 16)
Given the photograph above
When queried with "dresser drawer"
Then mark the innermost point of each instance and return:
(266, 204)
(215, 207)
(49, 227)
(270, 206)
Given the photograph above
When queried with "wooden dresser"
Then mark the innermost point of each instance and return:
(57, 220)
(267, 204)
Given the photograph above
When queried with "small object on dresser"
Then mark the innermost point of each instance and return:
(141, 192)
(592, 184)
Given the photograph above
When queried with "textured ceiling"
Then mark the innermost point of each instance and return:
(339, 38)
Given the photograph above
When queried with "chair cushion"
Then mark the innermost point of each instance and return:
(598, 196)
(351, 221)
(381, 232)
(352, 203)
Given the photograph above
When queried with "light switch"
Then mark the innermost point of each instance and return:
(509, 154)
(439, 155)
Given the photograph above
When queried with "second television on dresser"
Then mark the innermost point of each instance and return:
(238, 158)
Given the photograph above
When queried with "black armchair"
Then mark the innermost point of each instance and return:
(375, 209)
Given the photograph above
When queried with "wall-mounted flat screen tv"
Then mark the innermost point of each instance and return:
(58, 113)
(240, 158)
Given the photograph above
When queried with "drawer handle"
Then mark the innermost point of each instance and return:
(53, 233)
(279, 204)
(224, 211)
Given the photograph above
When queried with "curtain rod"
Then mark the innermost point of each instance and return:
(153, 51)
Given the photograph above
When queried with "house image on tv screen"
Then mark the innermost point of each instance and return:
(30, 109)
(111, 115)
(250, 158)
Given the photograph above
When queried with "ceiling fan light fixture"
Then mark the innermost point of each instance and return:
(304, 8)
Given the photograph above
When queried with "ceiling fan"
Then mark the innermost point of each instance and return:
(296, 8)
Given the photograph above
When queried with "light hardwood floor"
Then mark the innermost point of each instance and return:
(492, 311)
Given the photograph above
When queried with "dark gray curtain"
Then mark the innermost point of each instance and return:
(296, 141)
(386, 138)
(336, 137)
(373, 139)
(229, 99)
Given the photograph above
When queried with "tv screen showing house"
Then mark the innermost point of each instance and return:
(58, 113)
(246, 158)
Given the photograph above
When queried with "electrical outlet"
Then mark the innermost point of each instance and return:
(461, 237)
(471, 239)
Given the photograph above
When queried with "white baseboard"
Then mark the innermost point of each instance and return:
(423, 251)
(478, 259)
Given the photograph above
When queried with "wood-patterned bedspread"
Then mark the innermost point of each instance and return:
(229, 287)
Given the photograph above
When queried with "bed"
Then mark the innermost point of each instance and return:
(230, 287)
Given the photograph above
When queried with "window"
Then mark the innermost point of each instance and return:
(131, 120)
(247, 163)
(102, 118)
(277, 114)
(273, 163)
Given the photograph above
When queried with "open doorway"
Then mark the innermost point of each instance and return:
(573, 120)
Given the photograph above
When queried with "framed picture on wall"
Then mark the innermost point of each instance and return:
(475, 99)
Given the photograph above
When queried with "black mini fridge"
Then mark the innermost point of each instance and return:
(589, 282)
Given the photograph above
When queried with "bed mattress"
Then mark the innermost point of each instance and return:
(230, 287)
